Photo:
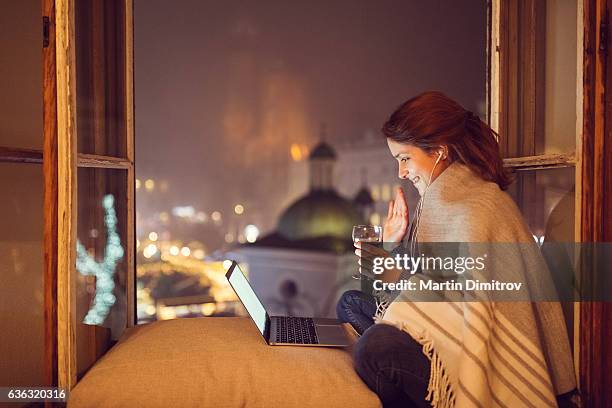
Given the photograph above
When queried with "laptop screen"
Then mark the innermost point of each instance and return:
(247, 296)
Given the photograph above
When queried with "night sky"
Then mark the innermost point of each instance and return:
(224, 88)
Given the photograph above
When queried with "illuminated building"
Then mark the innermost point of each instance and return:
(302, 266)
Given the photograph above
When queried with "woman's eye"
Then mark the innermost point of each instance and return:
(404, 159)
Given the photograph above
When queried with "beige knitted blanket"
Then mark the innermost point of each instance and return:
(485, 353)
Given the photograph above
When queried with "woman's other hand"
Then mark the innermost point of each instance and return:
(396, 224)
(367, 253)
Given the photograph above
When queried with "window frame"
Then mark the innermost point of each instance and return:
(592, 158)
(61, 162)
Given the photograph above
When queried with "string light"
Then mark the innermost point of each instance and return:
(103, 271)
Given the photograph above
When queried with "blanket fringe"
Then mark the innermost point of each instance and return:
(439, 390)
(382, 303)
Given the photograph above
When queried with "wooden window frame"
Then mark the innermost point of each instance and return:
(592, 158)
(13, 155)
(61, 162)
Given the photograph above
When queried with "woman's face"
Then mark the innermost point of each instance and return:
(416, 165)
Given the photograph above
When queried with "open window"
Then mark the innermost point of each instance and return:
(547, 67)
(68, 235)
(89, 181)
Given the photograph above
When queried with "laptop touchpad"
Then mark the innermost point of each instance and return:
(331, 333)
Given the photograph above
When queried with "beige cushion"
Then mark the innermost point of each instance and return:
(218, 362)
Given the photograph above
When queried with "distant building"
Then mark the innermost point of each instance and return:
(302, 266)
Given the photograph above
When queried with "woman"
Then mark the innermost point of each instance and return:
(445, 353)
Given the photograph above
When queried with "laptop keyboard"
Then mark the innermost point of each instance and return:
(296, 330)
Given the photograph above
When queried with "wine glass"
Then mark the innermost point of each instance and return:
(366, 233)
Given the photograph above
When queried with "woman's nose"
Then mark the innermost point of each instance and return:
(402, 173)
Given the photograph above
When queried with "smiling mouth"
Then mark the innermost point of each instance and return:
(415, 180)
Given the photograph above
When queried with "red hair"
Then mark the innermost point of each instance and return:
(432, 119)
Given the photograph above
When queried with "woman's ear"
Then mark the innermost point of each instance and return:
(442, 152)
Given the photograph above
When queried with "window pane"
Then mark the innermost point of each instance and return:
(21, 276)
(232, 132)
(100, 59)
(560, 93)
(546, 199)
(21, 75)
(101, 261)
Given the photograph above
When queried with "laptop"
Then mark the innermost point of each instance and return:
(286, 330)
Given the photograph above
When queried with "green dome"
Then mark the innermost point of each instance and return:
(323, 151)
(319, 214)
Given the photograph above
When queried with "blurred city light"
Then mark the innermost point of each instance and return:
(153, 236)
(375, 219)
(226, 264)
(199, 253)
(208, 309)
(185, 251)
(149, 185)
(251, 232)
(183, 211)
(174, 250)
(149, 250)
(239, 209)
(137, 184)
(296, 152)
(216, 216)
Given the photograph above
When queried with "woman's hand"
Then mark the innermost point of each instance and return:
(396, 223)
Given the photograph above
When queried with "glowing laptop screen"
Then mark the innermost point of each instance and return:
(248, 297)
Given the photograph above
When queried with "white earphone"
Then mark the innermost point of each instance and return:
(417, 219)
(434, 167)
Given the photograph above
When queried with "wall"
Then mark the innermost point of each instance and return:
(21, 192)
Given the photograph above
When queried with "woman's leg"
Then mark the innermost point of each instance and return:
(356, 308)
(393, 365)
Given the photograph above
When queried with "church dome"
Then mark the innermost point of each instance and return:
(322, 213)
(364, 198)
(323, 151)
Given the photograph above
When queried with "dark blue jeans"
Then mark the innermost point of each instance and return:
(387, 359)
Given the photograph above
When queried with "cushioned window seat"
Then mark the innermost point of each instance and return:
(218, 362)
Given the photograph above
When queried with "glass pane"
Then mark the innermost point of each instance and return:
(546, 199)
(560, 78)
(21, 75)
(100, 60)
(101, 261)
(21, 276)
